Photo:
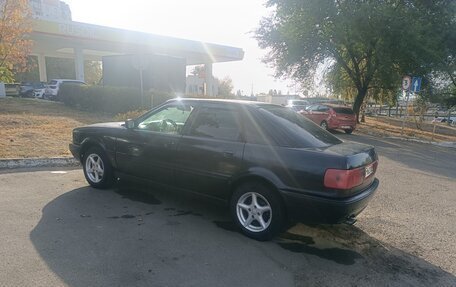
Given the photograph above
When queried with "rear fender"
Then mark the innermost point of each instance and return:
(257, 173)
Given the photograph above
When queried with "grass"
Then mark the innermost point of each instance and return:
(37, 128)
(381, 126)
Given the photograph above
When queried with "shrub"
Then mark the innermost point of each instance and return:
(113, 100)
(129, 115)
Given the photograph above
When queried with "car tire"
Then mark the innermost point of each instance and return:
(97, 168)
(30, 94)
(324, 125)
(348, 131)
(258, 210)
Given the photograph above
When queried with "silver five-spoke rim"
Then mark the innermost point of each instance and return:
(94, 168)
(254, 212)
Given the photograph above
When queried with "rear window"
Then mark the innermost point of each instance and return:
(346, 111)
(290, 129)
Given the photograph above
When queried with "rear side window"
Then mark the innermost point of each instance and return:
(290, 129)
(217, 123)
(346, 111)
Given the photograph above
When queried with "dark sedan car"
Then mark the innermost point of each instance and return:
(269, 163)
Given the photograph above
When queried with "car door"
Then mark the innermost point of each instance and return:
(149, 149)
(210, 151)
(321, 114)
(311, 112)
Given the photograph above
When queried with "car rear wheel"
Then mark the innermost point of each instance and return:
(348, 131)
(324, 125)
(97, 169)
(257, 210)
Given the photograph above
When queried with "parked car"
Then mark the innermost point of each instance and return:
(12, 90)
(444, 120)
(26, 90)
(331, 117)
(269, 163)
(297, 105)
(52, 90)
(32, 89)
(39, 89)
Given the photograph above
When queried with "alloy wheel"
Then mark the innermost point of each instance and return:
(254, 212)
(94, 168)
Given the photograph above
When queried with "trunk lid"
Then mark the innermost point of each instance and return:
(356, 156)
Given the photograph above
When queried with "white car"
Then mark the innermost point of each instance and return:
(39, 89)
(52, 90)
(444, 120)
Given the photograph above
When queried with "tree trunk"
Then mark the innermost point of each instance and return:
(358, 102)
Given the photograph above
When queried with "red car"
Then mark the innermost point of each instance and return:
(331, 117)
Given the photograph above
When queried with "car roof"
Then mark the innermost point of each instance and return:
(230, 101)
(336, 106)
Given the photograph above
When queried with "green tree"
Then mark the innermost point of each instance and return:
(15, 25)
(93, 72)
(370, 43)
(225, 87)
(198, 71)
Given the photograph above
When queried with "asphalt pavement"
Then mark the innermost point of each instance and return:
(57, 231)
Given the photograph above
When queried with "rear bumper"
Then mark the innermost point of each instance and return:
(342, 125)
(75, 151)
(313, 209)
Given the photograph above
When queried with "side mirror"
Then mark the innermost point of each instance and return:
(130, 124)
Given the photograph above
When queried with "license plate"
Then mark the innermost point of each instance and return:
(369, 170)
(346, 127)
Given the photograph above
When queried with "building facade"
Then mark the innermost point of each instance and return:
(196, 86)
(53, 10)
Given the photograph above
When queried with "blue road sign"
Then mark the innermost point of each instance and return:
(416, 84)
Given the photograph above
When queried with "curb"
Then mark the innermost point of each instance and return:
(38, 162)
(441, 144)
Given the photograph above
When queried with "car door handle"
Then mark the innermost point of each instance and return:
(228, 154)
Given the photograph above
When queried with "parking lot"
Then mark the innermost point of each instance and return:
(57, 231)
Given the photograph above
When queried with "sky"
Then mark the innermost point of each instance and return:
(226, 22)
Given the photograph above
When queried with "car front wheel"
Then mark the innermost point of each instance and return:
(324, 125)
(97, 169)
(257, 210)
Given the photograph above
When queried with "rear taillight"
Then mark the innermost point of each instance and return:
(347, 179)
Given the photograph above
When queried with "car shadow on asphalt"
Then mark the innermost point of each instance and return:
(135, 235)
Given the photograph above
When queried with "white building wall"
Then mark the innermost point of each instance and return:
(195, 86)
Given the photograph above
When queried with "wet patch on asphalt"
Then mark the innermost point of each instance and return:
(136, 194)
(302, 244)
(183, 212)
(125, 216)
(338, 255)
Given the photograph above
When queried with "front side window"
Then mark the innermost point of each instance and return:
(217, 123)
(169, 120)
